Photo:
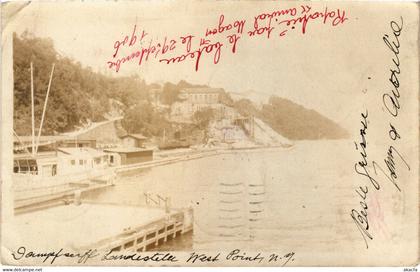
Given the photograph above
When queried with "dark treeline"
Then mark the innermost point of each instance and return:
(291, 120)
(79, 94)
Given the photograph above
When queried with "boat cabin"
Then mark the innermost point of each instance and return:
(80, 159)
(42, 164)
(62, 161)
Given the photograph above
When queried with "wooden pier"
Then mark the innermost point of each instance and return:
(33, 198)
(104, 226)
(144, 237)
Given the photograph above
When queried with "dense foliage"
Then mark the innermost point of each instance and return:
(144, 119)
(170, 93)
(77, 94)
(291, 120)
(202, 118)
(80, 95)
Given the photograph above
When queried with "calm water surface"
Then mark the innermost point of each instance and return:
(283, 199)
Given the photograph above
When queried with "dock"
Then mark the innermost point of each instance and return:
(31, 195)
(102, 226)
(147, 236)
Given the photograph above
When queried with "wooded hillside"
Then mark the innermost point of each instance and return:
(79, 95)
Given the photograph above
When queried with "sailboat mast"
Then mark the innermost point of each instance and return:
(45, 107)
(33, 110)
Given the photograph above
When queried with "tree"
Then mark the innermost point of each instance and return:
(77, 93)
(226, 99)
(298, 123)
(170, 93)
(203, 117)
(142, 118)
(245, 107)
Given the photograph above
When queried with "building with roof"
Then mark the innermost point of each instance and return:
(133, 140)
(100, 135)
(204, 96)
(198, 99)
(126, 155)
(79, 151)
(106, 134)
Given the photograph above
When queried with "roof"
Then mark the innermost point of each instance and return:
(127, 149)
(81, 151)
(24, 142)
(136, 136)
(47, 138)
(202, 90)
(39, 155)
(91, 127)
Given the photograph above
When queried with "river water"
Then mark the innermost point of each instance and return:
(279, 199)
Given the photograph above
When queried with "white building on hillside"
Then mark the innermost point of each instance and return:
(201, 96)
(196, 99)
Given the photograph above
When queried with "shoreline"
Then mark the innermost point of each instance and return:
(196, 154)
(46, 199)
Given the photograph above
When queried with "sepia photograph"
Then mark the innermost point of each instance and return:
(227, 133)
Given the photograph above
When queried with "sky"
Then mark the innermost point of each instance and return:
(322, 69)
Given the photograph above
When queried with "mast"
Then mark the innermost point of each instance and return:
(33, 110)
(45, 107)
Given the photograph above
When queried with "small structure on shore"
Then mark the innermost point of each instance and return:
(106, 133)
(133, 140)
(126, 155)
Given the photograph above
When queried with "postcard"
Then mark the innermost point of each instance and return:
(210, 133)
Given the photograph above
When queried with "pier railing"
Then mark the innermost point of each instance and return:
(152, 234)
(158, 200)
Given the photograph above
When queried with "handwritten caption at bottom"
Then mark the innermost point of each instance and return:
(236, 256)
